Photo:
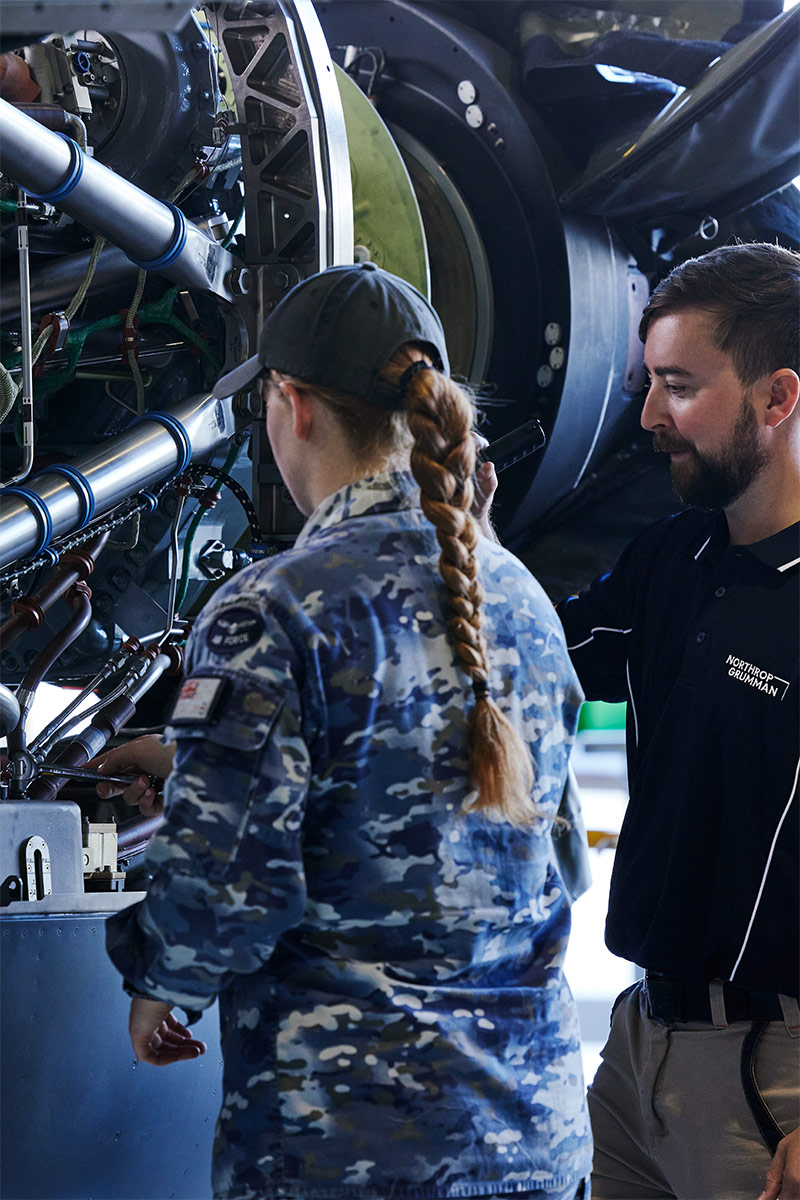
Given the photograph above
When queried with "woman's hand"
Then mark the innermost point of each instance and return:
(159, 1038)
(485, 488)
(146, 754)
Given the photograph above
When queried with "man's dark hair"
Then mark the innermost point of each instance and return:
(754, 292)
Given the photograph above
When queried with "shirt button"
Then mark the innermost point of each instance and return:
(699, 637)
(720, 592)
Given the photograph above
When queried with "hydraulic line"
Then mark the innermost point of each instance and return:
(173, 567)
(158, 312)
(64, 722)
(105, 724)
(193, 526)
(79, 597)
(115, 663)
(26, 339)
(27, 612)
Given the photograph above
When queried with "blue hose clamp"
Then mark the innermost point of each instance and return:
(82, 487)
(151, 500)
(72, 177)
(173, 426)
(177, 242)
(40, 511)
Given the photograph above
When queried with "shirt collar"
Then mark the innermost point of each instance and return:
(387, 492)
(781, 551)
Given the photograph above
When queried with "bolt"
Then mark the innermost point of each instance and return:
(238, 280)
(248, 405)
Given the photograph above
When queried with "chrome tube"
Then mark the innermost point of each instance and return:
(154, 235)
(27, 341)
(54, 285)
(152, 450)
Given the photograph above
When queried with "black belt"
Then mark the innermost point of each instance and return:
(669, 1000)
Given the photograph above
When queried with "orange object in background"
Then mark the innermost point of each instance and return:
(16, 84)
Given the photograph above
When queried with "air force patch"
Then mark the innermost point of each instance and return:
(233, 630)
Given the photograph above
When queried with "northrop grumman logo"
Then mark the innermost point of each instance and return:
(753, 676)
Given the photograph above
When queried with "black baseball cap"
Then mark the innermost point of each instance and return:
(339, 328)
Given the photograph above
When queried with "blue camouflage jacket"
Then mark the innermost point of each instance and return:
(395, 1021)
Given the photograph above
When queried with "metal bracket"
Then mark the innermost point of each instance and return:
(36, 863)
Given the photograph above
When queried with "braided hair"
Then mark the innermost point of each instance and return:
(433, 420)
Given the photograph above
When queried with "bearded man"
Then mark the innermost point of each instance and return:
(697, 628)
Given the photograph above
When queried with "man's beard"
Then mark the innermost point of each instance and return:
(715, 481)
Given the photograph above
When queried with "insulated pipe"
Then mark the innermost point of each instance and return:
(81, 602)
(156, 447)
(133, 835)
(155, 236)
(27, 612)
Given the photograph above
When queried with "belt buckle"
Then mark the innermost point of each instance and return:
(663, 1000)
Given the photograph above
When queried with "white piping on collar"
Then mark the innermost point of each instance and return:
(702, 548)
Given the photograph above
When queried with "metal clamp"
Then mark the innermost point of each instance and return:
(40, 511)
(176, 244)
(82, 487)
(72, 177)
(173, 426)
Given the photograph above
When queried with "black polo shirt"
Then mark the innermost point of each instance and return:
(701, 638)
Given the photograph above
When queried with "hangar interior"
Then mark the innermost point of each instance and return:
(169, 171)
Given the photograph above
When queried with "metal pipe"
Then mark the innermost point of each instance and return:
(174, 570)
(26, 339)
(154, 235)
(9, 711)
(52, 286)
(152, 450)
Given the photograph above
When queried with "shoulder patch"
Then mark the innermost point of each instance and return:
(233, 630)
(197, 700)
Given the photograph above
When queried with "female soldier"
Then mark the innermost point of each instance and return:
(371, 746)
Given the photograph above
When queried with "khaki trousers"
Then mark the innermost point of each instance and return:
(669, 1115)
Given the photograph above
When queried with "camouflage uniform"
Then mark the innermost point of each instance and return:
(395, 1019)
